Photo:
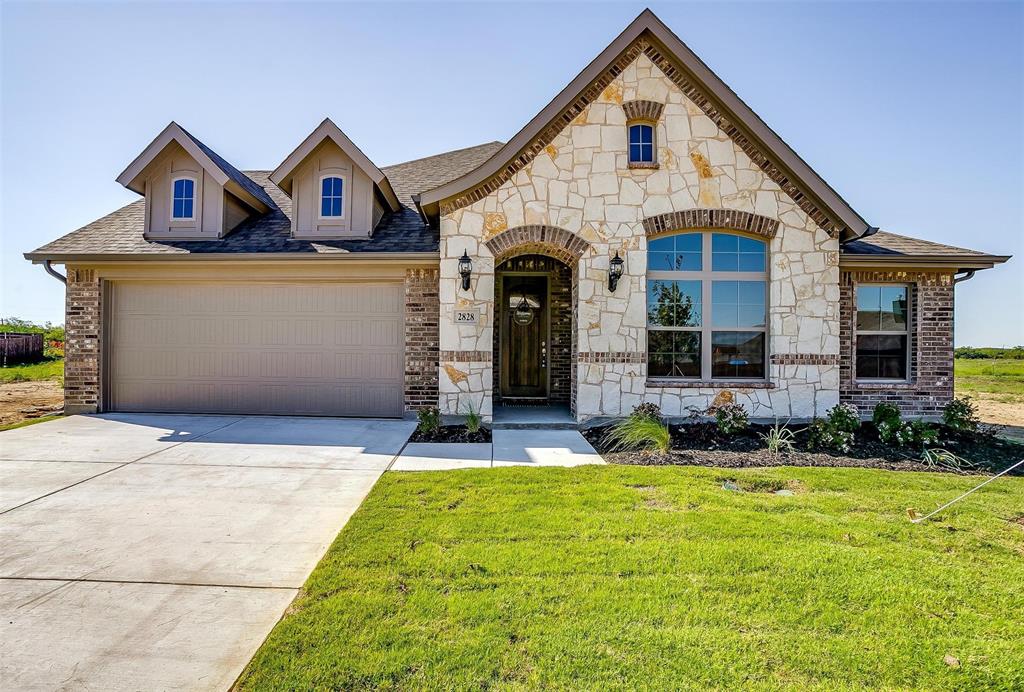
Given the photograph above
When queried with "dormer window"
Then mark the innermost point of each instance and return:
(331, 197)
(641, 143)
(184, 198)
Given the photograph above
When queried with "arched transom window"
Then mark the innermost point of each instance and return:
(707, 306)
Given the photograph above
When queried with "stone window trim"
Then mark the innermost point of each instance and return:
(642, 111)
(910, 329)
(709, 220)
(550, 241)
(680, 77)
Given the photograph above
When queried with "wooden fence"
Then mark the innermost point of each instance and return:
(19, 348)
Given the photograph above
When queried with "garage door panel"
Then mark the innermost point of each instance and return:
(257, 348)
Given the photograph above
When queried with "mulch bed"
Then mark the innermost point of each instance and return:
(700, 444)
(452, 433)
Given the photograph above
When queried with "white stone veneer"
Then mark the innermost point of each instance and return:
(582, 183)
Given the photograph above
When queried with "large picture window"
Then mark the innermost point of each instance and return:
(883, 332)
(707, 306)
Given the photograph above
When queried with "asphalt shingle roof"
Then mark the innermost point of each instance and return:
(120, 232)
(884, 243)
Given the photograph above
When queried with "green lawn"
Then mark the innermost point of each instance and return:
(44, 370)
(1002, 377)
(643, 577)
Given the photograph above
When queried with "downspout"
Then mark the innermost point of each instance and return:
(967, 276)
(54, 273)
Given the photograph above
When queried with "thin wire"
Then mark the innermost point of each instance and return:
(977, 487)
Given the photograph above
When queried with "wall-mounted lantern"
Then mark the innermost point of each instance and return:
(465, 269)
(614, 272)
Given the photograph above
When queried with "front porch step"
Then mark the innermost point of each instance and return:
(549, 417)
(512, 425)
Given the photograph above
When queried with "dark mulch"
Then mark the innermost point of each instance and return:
(700, 444)
(452, 433)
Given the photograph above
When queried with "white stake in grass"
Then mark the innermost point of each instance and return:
(917, 520)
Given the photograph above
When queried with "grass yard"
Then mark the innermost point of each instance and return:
(655, 577)
(1001, 377)
(31, 372)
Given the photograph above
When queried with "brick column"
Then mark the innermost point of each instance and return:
(421, 338)
(83, 329)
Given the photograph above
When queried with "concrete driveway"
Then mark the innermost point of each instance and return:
(157, 551)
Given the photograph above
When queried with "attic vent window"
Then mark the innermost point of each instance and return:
(183, 206)
(331, 196)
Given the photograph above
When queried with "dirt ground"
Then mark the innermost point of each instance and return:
(996, 410)
(22, 400)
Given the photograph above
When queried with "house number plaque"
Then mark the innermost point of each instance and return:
(469, 316)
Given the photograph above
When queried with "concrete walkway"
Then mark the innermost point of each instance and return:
(508, 448)
(157, 551)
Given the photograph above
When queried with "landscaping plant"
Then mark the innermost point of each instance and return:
(778, 439)
(473, 420)
(731, 418)
(429, 420)
(836, 430)
(894, 430)
(642, 429)
(961, 414)
(943, 458)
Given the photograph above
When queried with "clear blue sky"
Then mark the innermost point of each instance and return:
(914, 112)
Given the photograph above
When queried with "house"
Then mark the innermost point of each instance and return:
(646, 237)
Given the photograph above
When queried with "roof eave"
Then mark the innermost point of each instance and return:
(88, 258)
(922, 261)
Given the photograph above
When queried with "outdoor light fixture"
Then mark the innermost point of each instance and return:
(614, 272)
(465, 269)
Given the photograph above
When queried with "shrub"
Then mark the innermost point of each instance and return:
(730, 418)
(896, 431)
(836, 430)
(429, 420)
(647, 410)
(639, 432)
(961, 414)
(473, 420)
(778, 439)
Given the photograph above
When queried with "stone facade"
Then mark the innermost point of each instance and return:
(930, 384)
(421, 338)
(83, 338)
(580, 182)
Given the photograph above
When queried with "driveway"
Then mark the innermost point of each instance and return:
(158, 551)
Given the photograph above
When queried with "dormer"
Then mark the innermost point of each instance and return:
(336, 191)
(191, 192)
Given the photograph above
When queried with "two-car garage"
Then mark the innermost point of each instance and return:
(294, 348)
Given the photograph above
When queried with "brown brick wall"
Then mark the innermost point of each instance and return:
(422, 314)
(930, 385)
(82, 346)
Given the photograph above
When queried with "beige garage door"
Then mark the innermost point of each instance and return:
(282, 348)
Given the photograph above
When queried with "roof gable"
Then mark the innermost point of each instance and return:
(648, 35)
(226, 175)
(282, 175)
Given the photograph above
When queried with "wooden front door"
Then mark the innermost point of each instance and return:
(524, 337)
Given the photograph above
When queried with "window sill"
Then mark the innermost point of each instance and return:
(883, 384)
(633, 165)
(668, 383)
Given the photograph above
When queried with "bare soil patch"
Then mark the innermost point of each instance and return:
(1005, 411)
(24, 400)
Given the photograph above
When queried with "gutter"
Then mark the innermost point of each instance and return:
(966, 277)
(54, 273)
